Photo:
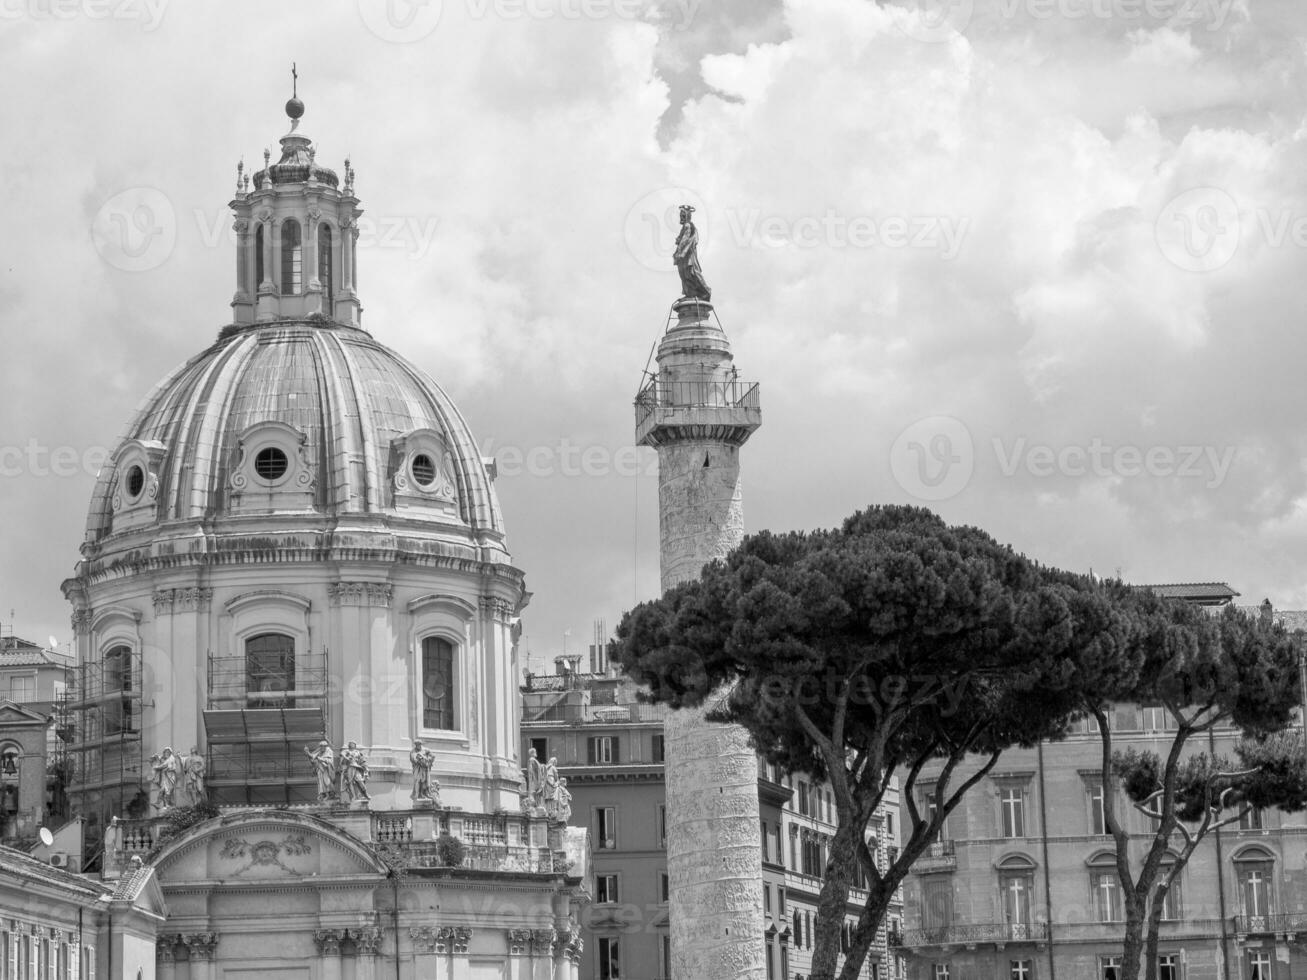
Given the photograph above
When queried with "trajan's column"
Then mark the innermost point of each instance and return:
(697, 414)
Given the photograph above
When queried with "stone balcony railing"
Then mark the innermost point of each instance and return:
(940, 855)
(1274, 924)
(501, 842)
(972, 934)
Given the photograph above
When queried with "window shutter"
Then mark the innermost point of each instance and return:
(616, 742)
(591, 745)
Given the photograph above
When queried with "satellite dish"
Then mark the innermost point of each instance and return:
(54, 643)
(47, 838)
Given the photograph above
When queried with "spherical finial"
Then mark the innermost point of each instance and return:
(294, 108)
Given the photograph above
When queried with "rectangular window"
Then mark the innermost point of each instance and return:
(937, 903)
(1097, 815)
(1259, 965)
(1017, 893)
(1109, 967)
(606, 889)
(665, 953)
(605, 827)
(794, 848)
(941, 971)
(780, 900)
(803, 798)
(269, 670)
(1107, 896)
(22, 689)
(661, 824)
(438, 694)
(766, 898)
(1255, 893)
(1168, 966)
(766, 857)
(602, 750)
(89, 972)
(1173, 903)
(1155, 718)
(6, 968)
(1021, 970)
(664, 888)
(1012, 807)
(659, 748)
(610, 962)
(541, 745)
(1251, 819)
(771, 958)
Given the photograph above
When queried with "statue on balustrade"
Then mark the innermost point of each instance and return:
(193, 770)
(167, 769)
(113, 843)
(354, 774)
(551, 787)
(535, 787)
(563, 806)
(424, 787)
(324, 768)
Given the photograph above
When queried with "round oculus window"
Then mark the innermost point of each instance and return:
(271, 464)
(424, 470)
(135, 482)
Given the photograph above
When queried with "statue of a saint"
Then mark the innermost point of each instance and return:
(534, 780)
(324, 768)
(563, 810)
(686, 259)
(166, 771)
(113, 843)
(193, 770)
(354, 774)
(421, 759)
(551, 786)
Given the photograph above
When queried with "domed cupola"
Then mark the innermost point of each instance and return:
(296, 229)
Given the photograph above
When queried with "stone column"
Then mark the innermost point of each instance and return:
(698, 415)
(243, 302)
(518, 942)
(328, 943)
(426, 964)
(367, 944)
(542, 954)
(165, 956)
(202, 946)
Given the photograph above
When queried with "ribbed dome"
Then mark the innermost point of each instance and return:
(360, 431)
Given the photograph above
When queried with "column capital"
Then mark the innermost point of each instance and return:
(201, 945)
(367, 941)
(328, 941)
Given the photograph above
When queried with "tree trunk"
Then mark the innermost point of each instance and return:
(1132, 946)
(865, 934)
(833, 903)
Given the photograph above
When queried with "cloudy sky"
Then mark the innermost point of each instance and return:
(1038, 264)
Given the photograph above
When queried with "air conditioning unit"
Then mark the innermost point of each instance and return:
(58, 860)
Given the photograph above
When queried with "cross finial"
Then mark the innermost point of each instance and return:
(294, 81)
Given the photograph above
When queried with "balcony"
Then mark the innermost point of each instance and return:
(1276, 924)
(941, 855)
(998, 933)
(705, 408)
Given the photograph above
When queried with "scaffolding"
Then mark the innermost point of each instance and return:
(264, 709)
(98, 723)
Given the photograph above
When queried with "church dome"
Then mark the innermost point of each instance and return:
(310, 422)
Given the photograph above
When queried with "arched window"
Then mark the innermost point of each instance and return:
(1105, 887)
(258, 255)
(439, 707)
(325, 266)
(1016, 881)
(1255, 868)
(269, 670)
(292, 257)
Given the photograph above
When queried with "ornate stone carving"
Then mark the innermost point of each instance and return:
(574, 945)
(328, 941)
(264, 852)
(519, 942)
(367, 941)
(81, 620)
(240, 226)
(453, 939)
(163, 601)
(424, 939)
(168, 601)
(462, 938)
(201, 945)
(542, 942)
(501, 609)
(360, 594)
(165, 947)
